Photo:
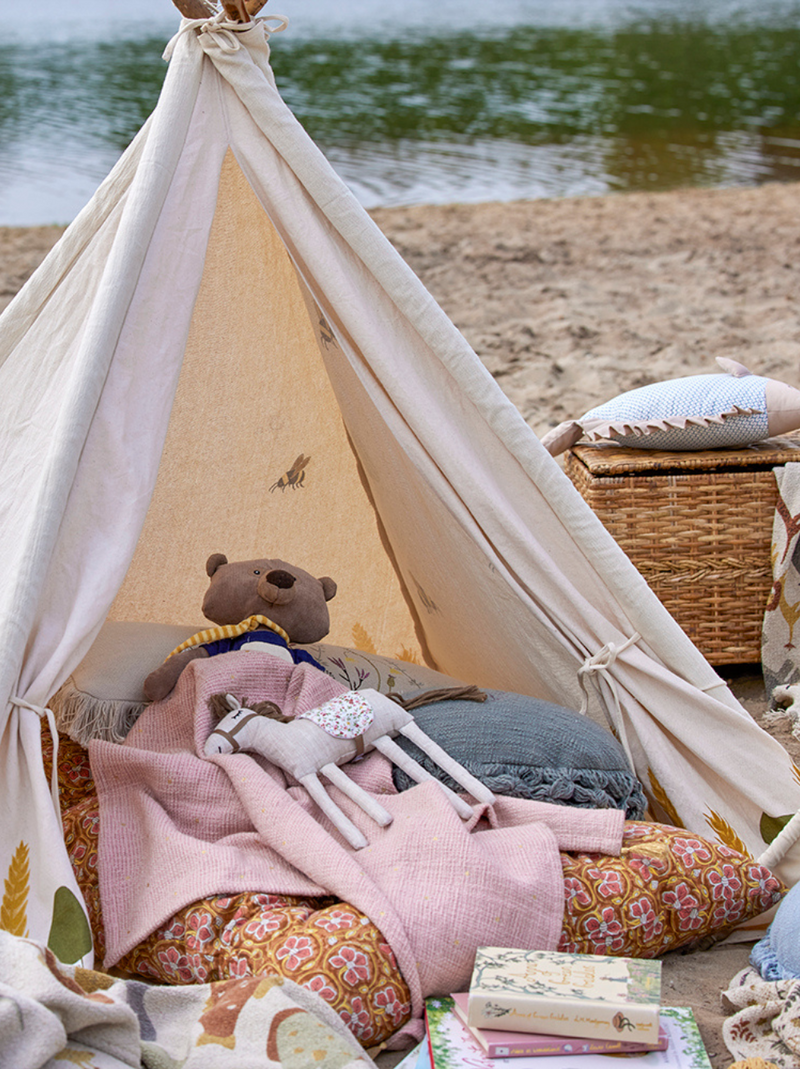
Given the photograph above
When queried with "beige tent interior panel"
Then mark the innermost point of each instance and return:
(253, 399)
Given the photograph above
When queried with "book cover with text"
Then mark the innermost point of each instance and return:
(543, 991)
(532, 1044)
(451, 1045)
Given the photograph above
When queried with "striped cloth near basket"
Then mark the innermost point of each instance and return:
(780, 639)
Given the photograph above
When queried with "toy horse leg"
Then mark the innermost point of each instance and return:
(357, 794)
(479, 791)
(333, 812)
(399, 757)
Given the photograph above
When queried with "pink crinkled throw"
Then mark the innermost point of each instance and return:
(177, 826)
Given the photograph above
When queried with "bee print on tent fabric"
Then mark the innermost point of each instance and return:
(294, 477)
(425, 598)
(326, 335)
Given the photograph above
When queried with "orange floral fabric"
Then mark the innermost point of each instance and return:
(329, 947)
(75, 781)
(81, 826)
(667, 889)
(320, 943)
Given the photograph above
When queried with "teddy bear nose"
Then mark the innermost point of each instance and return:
(281, 579)
(276, 587)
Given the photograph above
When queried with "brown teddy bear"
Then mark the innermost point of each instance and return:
(262, 601)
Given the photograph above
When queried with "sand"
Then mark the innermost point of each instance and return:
(569, 302)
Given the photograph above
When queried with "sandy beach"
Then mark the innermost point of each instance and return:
(569, 302)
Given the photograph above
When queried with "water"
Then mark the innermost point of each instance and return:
(432, 103)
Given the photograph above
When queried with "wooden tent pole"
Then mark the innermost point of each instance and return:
(194, 9)
(236, 10)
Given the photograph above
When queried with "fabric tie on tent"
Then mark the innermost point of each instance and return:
(49, 716)
(223, 31)
(600, 664)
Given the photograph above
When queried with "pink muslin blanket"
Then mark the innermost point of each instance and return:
(177, 827)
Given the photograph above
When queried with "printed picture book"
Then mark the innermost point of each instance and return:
(531, 1044)
(419, 1057)
(550, 992)
(452, 1046)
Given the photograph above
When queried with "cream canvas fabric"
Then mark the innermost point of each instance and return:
(224, 354)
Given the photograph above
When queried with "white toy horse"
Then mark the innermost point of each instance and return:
(322, 739)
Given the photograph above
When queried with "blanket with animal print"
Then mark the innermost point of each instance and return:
(54, 1013)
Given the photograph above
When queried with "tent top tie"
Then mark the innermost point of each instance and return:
(223, 30)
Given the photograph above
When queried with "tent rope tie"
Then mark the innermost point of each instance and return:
(51, 723)
(222, 31)
(599, 664)
(781, 844)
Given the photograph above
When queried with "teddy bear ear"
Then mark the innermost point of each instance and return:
(216, 560)
(328, 587)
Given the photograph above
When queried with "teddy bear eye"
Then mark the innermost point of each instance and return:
(256, 571)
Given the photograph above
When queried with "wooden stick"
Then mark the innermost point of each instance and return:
(238, 10)
(195, 9)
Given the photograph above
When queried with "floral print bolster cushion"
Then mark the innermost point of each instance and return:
(668, 888)
(329, 947)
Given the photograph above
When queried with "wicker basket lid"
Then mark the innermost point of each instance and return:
(605, 458)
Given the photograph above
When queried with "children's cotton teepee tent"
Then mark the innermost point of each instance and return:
(223, 353)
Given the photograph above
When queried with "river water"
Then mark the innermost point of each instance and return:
(457, 100)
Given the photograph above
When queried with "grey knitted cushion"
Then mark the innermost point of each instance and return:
(527, 748)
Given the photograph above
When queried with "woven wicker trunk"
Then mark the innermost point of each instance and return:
(698, 526)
